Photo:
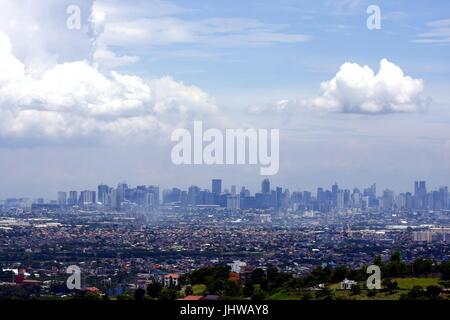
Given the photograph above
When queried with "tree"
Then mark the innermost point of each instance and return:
(258, 275)
(154, 289)
(188, 291)
(168, 294)
(231, 288)
(272, 274)
(433, 292)
(390, 285)
(378, 261)
(258, 294)
(445, 270)
(248, 290)
(339, 274)
(356, 289)
(396, 256)
(416, 292)
(139, 294)
(422, 266)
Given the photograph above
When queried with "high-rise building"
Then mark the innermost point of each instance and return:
(121, 191)
(114, 201)
(216, 186)
(62, 198)
(73, 198)
(265, 186)
(420, 194)
(233, 202)
(340, 199)
(103, 191)
(87, 197)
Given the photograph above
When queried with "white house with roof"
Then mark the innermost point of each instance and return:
(347, 284)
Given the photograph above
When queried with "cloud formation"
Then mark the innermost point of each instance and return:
(75, 99)
(357, 89)
(439, 33)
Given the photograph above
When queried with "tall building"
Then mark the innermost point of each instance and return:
(233, 202)
(420, 194)
(334, 192)
(87, 197)
(340, 199)
(216, 186)
(265, 186)
(73, 198)
(114, 201)
(103, 191)
(62, 198)
(121, 191)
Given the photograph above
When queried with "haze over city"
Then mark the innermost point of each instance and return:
(353, 105)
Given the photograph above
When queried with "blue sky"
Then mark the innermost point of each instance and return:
(97, 104)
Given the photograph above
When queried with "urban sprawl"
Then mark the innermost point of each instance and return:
(198, 244)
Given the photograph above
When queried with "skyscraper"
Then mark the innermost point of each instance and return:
(73, 198)
(62, 198)
(216, 186)
(265, 186)
(103, 191)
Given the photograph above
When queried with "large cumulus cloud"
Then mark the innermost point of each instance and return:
(75, 99)
(357, 89)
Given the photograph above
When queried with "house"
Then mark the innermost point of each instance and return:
(171, 279)
(347, 284)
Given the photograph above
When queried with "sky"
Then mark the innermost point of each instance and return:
(91, 90)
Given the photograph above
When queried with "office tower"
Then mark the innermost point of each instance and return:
(149, 201)
(265, 186)
(279, 192)
(420, 194)
(193, 195)
(121, 191)
(62, 198)
(155, 191)
(334, 192)
(233, 202)
(216, 187)
(233, 189)
(73, 198)
(387, 201)
(103, 191)
(87, 197)
(114, 201)
(340, 199)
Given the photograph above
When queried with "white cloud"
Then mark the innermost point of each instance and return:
(357, 89)
(75, 99)
(439, 32)
(145, 25)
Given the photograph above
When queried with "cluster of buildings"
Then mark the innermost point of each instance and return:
(119, 244)
(323, 200)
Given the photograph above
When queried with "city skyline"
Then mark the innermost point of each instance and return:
(92, 90)
(334, 196)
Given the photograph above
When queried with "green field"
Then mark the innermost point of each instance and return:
(409, 283)
(405, 284)
(199, 289)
